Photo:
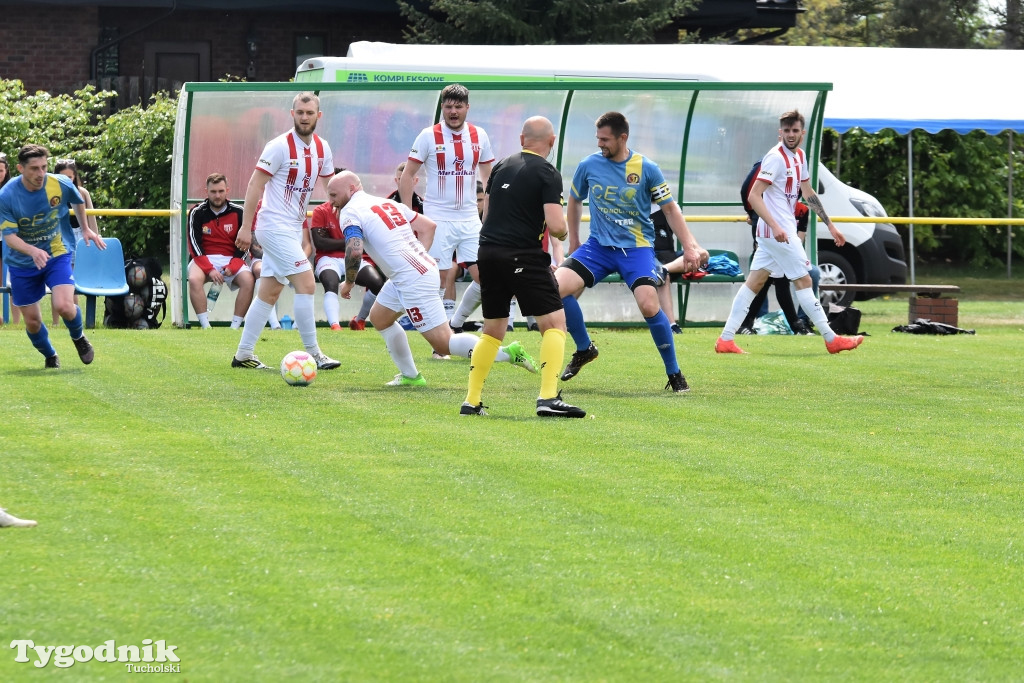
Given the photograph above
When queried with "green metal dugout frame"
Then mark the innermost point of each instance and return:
(703, 135)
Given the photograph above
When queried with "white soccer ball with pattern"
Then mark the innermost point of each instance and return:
(298, 368)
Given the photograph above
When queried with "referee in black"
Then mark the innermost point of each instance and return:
(522, 209)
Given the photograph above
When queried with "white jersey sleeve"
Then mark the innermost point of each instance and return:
(388, 238)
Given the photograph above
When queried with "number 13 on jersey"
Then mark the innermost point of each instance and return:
(390, 214)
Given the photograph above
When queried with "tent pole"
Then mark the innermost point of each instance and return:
(839, 156)
(910, 199)
(1009, 204)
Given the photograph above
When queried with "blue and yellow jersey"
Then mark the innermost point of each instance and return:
(621, 193)
(40, 218)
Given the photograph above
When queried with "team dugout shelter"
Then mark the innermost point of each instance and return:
(704, 135)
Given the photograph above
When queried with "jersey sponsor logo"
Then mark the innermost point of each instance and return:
(299, 263)
(438, 149)
(54, 201)
(207, 230)
(633, 179)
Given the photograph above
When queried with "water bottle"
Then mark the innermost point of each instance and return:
(286, 322)
(212, 295)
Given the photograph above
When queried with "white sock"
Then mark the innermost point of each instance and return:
(236, 321)
(462, 344)
(470, 300)
(204, 320)
(740, 306)
(449, 307)
(364, 310)
(306, 323)
(332, 307)
(812, 307)
(275, 324)
(397, 344)
(255, 319)
(513, 306)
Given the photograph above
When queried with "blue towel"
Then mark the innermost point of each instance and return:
(721, 264)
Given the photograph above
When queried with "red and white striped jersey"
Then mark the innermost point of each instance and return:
(294, 168)
(386, 230)
(451, 159)
(784, 171)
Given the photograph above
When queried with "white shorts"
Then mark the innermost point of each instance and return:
(336, 264)
(283, 255)
(461, 237)
(419, 299)
(781, 258)
(219, 261)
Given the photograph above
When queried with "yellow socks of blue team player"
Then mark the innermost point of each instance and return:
(552, 353)
(484, 353)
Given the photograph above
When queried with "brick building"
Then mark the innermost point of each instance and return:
(60, 45)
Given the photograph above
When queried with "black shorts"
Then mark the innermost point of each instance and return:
(522, 273)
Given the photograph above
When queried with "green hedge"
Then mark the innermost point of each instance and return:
(124, 158)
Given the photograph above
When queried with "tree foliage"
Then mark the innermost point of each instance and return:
(68, 125)
(136, 147)
(124, 159)
(539, 22)
(954, 176)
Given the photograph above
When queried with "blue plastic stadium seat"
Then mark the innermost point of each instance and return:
(99, 272)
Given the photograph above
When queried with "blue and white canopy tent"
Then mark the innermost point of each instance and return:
(902, 89)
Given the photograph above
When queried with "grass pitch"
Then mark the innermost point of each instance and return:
(796, 516)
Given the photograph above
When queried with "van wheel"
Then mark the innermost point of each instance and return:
(835, 270)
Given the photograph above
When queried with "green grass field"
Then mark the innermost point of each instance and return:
(796, 516)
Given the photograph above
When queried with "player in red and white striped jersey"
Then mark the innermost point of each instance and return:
(285, 177)
(454, 152)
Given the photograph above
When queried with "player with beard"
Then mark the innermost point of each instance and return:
(621, 184)
(385, 229)
(454, 151)
(773, 196)
(285, 177)
(212, 228)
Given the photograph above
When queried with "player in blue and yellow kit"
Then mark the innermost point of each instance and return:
(34, 219)
(621, 184)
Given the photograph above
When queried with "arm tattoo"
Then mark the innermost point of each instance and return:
(353, 257)
(815, 204)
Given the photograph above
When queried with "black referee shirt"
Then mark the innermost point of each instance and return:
(518, 188)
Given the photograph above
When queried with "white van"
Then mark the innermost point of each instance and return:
(873, 253)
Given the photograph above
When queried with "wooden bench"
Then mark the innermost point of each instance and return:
(928, 302)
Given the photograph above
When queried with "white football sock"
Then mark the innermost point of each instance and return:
(255, 319)
(204, 320)
(812, 307)
(306, 323)
(332, 308)
(462, 344)
(397, 344)
(470, 300)
(236, 321)
(740, 306)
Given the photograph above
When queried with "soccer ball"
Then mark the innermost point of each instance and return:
(298, 369)
(137, 277)
(134, 305)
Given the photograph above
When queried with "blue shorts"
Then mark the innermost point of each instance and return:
(636, 265)
(28, 285)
